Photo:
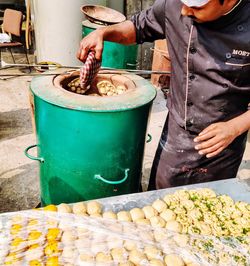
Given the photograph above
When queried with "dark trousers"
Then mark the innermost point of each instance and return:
(177, 163)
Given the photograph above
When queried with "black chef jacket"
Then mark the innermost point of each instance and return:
(210, 83)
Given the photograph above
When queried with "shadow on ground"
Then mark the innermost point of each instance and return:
(21, 191)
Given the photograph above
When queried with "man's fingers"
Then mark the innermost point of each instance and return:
(205, 136)
(98, 52)
(209, 155)
(207, 144)
(211, 149)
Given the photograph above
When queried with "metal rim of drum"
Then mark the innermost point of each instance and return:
(44, 87)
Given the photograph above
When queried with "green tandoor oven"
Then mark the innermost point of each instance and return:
(89, 146)
(115, 55)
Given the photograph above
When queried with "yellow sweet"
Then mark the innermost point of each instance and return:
(51, 248)
(34, 235)
(15, 229)
(53, 234)
(52, 261)
(17, 241)
(35, 263)
(51, 208)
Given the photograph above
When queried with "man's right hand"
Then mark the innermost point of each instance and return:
(92, 42)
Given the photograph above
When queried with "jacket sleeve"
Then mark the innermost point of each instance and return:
(150, 23)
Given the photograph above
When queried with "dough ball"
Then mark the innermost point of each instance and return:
(159, 205)
(159, 235)
(94, 207)
(124, 216)
(137, 257)
(79, 208)
(103, 257)
(64, 208)
(136, 214)
(168, 215)
(128, 263)
(65, 223)
(98, 247)
(157, 221)
(69, 253)
(83, 244)
(152, 252)
(82, 232)
(130, 245)
(146, 235)
(96, 215)
(114, 242)
(119, 254)
(156, 262)
(109, 215)
(149, 211)
(68, 237)
(181, 240)
(174, 260)
(174, 226)
(86, 257)
(143, 221)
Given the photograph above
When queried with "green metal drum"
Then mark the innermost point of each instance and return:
(89, 146)
(115, 55)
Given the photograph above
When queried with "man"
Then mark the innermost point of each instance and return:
(204, 136)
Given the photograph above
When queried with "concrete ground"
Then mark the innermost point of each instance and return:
(19, 176)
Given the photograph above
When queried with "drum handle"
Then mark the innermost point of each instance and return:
(99, 177)
(26, 152)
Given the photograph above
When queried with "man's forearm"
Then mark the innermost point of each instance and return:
(241, 123)
(123, 33)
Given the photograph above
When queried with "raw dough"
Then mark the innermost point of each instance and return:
(137, 257)
(69, 253)
(64, 208)
(159, 205)
(143, 221)
(68, 237)
(109, 215)
(128, 263)
(155, 262)
(103, 257)
(130, 245)
(94, 207)
(181, 240)
(124, 216)
(79, 208)
(97, 215)
(157, 221)
(152, 252)
(174, 260)
(168, 215)
(119, 254)
(86, 257)
(174, 226)
(136, 214)
(149, 211)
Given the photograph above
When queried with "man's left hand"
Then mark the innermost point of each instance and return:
(215, 138)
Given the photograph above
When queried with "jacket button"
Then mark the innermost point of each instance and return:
(228, 55)
(189, 103)
(193, 50)
(240, 28)
(189, 123)
(192, 77)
